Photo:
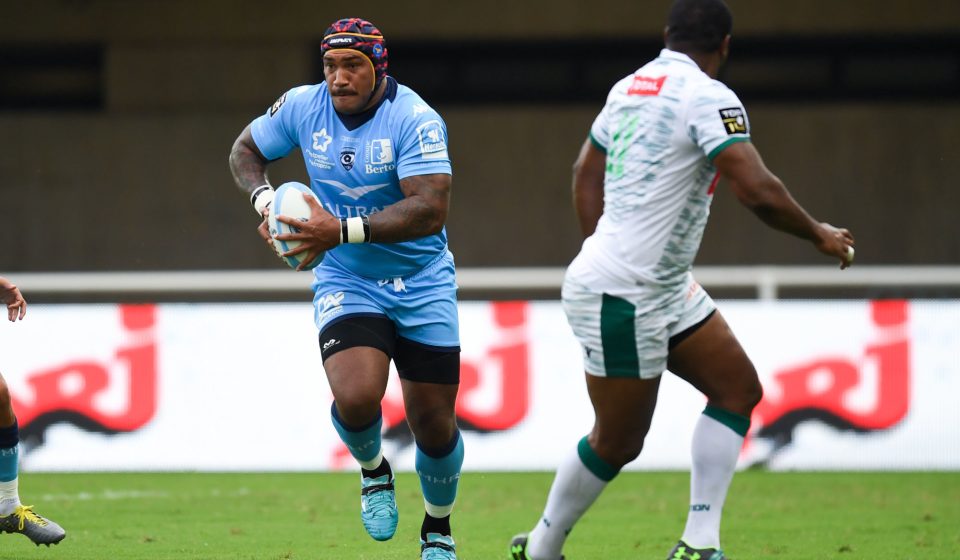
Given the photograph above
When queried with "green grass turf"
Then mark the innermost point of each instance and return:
(182, 516)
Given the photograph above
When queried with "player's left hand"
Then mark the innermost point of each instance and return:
(317, 235)
(836, 242)
(11, 296)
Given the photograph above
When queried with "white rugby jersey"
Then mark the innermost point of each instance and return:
(661, 127)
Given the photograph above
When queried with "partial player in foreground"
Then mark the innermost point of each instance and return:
(643, 184)
(14, 516)
(376, 155)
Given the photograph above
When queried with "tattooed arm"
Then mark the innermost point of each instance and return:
(423, 212)
(247, 164)
(249, 168)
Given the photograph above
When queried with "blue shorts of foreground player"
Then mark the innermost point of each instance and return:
(422, 305)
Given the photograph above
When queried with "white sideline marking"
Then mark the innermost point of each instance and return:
(132, 495)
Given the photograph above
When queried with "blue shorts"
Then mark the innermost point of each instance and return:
(423, 305)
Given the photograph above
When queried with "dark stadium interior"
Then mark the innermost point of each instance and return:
(117, 118)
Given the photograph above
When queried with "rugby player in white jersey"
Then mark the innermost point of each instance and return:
(643, 184)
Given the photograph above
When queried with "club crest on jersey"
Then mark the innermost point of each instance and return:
(277, 104)
(347, 156)
(734, 121)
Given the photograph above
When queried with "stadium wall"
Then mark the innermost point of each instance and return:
(148, 201)
(188, 20)
(865, 385)
(117, 118)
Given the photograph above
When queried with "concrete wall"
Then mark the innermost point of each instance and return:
(144, 184)
(224, 20)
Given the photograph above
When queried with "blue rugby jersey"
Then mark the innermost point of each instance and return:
(356, 162)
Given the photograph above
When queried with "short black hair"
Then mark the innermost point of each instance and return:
(698, 25)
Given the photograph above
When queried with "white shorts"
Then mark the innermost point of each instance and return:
(627, 331)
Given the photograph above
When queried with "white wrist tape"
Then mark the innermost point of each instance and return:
(355, 230)
(262, 197)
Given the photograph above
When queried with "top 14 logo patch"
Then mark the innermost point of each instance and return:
(734, 120)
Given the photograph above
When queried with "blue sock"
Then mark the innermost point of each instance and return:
(9, 438)
(439, 471)
(363, 442)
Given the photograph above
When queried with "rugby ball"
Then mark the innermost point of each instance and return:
(289, 201)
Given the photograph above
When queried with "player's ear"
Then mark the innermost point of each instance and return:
(725, 48)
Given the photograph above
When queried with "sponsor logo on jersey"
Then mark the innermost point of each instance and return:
(347, 156)
(381, 151)
(353, 192)
(352, 211)
(419, 109)
(645, 85)
(321, 140)
(379, 156)
(433, 142)
(734, 120)
(320, 161)
(277, 104)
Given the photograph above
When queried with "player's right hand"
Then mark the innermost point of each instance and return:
(264, 230)
(836, 242)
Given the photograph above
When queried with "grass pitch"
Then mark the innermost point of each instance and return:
(182, 516)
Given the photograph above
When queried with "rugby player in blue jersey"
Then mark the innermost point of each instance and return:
(377, 159)
(14, 516)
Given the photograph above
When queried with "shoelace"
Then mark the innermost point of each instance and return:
(438, 551)
(26, 512)
(379, 502)
(436, 554)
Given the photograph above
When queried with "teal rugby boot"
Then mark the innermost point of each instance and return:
(378, 507)
(438, 547)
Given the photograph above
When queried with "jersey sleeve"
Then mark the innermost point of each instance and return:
(422, 148)
(600, 130)
(717, 119)
(275, 132)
